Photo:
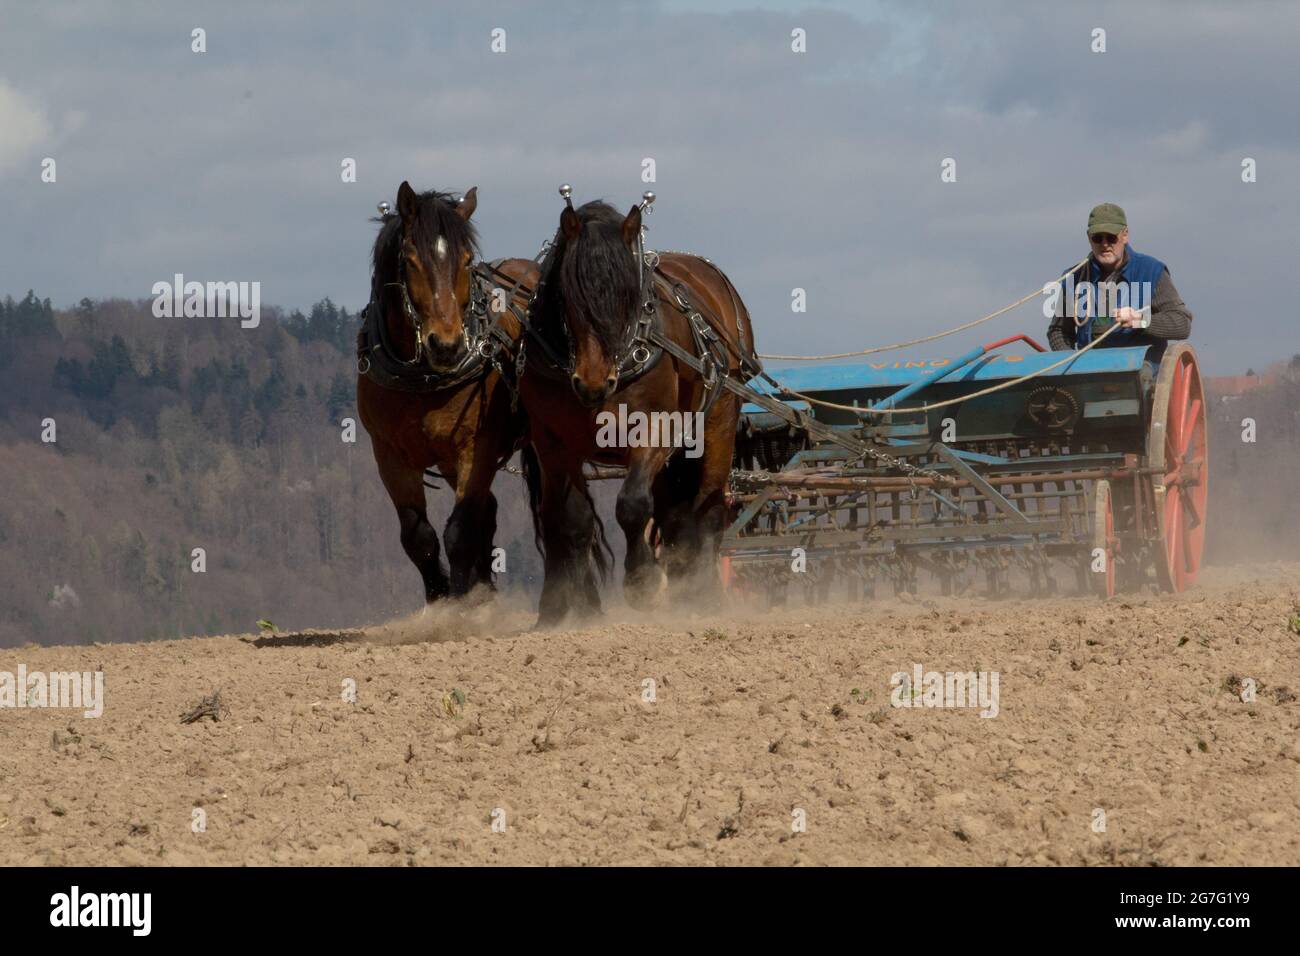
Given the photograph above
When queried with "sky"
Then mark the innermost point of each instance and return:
(818, 170)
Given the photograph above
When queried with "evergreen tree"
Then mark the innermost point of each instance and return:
(170, 372)
(342, 395)
(86, 318)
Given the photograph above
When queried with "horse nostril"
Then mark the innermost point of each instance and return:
(587, 395)
(441, 351)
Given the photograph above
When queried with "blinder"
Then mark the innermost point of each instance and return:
(378, 361)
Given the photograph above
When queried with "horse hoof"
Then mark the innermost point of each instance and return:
(646, 589)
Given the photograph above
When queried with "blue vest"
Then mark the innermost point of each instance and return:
(1141, 272)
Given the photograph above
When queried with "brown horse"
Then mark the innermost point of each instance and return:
(590, 353)
(433, 389)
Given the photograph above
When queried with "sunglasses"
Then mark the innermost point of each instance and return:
(1104, 239)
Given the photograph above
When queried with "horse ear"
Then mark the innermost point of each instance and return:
(406, 204)
(468, 203)
(632, 226)
(570, 224)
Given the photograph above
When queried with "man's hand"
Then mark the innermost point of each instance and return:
(1131, 318)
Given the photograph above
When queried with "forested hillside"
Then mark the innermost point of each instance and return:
(176, 434)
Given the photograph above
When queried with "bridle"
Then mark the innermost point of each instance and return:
(473, 317)
(636, 353)
(647, 341)
(482, 339)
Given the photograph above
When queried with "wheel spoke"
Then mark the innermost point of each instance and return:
(1189, 426)
(1173, 538)
(1193, 519)
(1177, 405)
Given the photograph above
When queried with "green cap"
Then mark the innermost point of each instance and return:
(1107, 218)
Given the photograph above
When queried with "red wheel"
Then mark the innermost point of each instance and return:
(1103, 539)
(1176, 448)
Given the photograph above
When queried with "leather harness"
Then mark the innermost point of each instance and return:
(487, 342)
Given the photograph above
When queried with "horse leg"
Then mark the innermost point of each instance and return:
(405, 487)
(470, 530)
(643, 580)
(471, 527)
(710, 501)
(568, 524)
(488, 524)
(568, 529)
(590, 591)
(692, 513)
(674, 494)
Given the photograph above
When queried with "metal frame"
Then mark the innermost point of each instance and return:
(967, 506)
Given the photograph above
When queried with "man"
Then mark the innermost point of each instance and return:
(1118, 285)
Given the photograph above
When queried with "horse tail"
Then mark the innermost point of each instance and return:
(602, 555)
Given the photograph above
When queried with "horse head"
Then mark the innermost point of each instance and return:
(596, 280)
(422, 267)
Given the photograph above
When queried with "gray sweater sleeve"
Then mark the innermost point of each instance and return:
(1057, 340)
(1061, 331)
(1170, 318)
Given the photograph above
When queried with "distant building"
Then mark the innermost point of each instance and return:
(1229, 388)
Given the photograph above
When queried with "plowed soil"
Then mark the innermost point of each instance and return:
(1121, 738)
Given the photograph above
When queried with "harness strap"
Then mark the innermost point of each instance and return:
(377, 360)
(783, 411)
(749, 363)
(521, 316)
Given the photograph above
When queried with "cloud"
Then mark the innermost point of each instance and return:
(25, 127)
(816, 170)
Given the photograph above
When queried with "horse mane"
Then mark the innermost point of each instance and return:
(597, 290)
(437, 217)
